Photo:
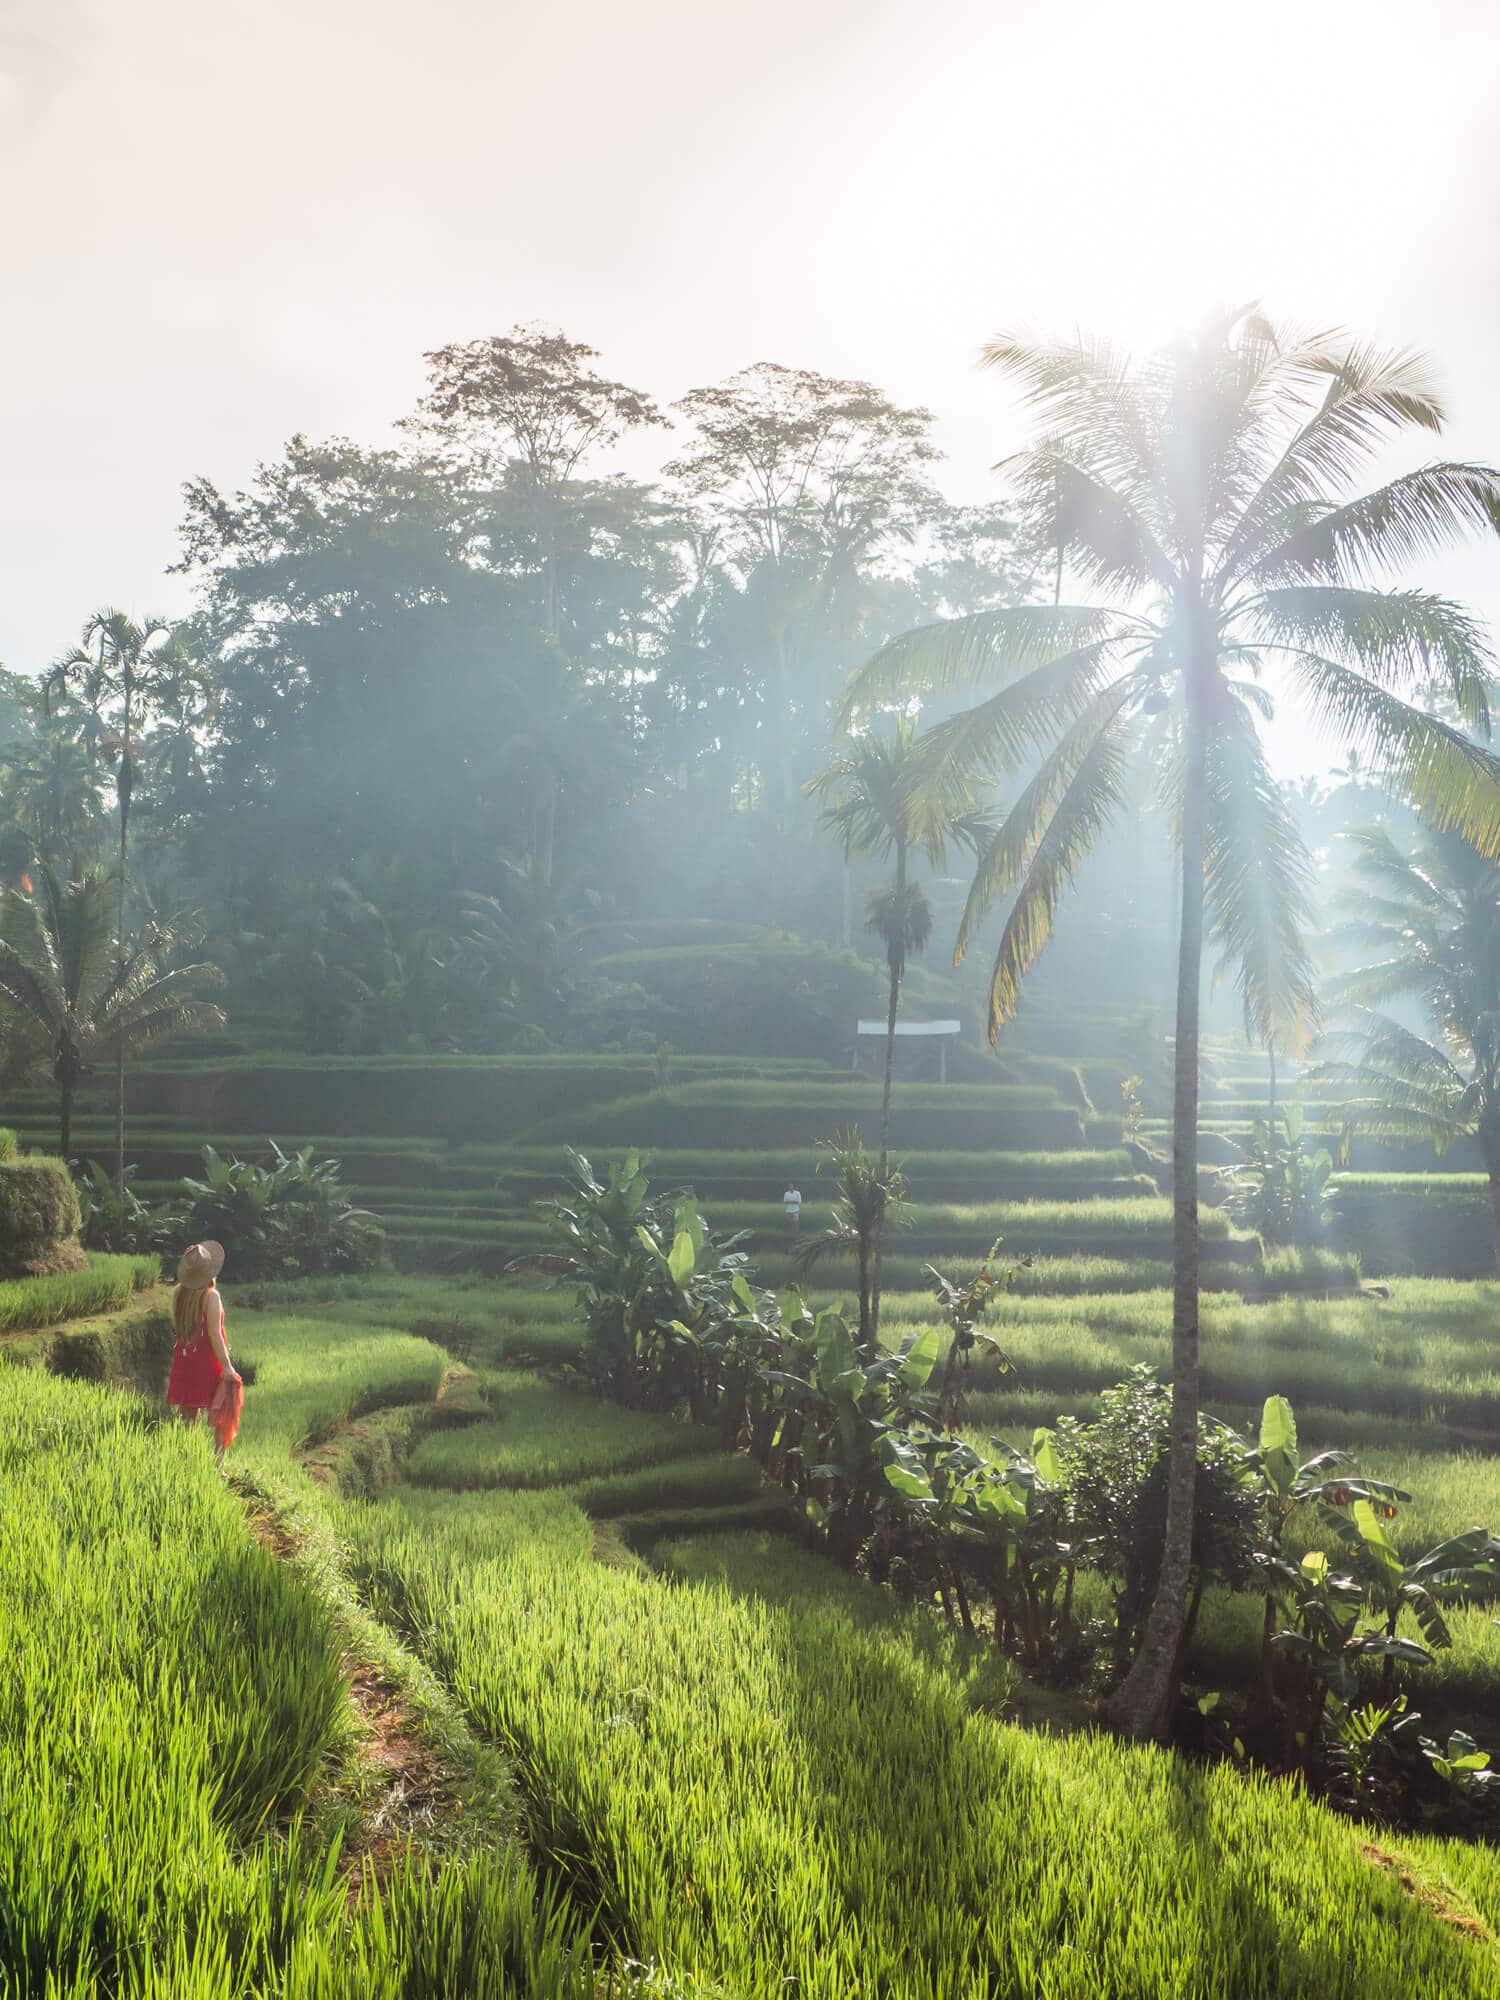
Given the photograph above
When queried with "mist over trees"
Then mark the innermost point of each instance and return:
(457, 722)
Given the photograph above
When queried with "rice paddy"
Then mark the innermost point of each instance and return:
(739, 1771)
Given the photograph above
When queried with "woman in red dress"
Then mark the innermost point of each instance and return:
(203, 1378)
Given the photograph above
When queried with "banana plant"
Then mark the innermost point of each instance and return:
(1462, 1564)
(1287, 1485)
(1325, 1605)
(1006, 1520)
(842, 1404)
(962, 1307)
(653, 1281)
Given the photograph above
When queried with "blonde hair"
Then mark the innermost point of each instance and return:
(187, 1309)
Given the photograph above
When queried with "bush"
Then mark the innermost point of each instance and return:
(8, 1145)
(115, 1219)
(39, 1218)
(1115, 1474)
(293, 1219)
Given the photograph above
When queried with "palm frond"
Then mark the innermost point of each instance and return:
(998, 734)
(1093, 527)
(1257, 885)
(1369, 396)
(1446, 778)
(1413, 515)
(1404, 639)
(1095, 793)
(1000, 646)
(1001, 863)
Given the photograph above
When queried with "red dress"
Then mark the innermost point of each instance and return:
(196, 1369)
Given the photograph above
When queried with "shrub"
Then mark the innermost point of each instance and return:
(293, 1219)
(1115, 1473)
(116, 1219)
(39, 1218)
(8, 1145)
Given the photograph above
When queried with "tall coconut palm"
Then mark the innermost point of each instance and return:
(1428, 924)
(64, 985)
(119, 670)
(1208, 499)
(874, 803)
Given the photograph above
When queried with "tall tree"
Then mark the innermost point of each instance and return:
(121, 671)
(1208, 496)
(66, 987)
(817, 480)
(873, 804)
(50, 797)
(1426, 923)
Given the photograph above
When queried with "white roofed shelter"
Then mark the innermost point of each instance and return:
(940, 1030)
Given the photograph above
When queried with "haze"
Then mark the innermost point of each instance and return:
(230, 225)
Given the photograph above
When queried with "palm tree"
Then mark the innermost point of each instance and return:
(120, 669)
(1429, 921)
(65, 986)
(868, 1198)
(876, 807)
(1207, 496)
(51, 795)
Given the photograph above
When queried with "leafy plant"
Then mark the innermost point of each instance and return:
(962, 1307)
(1115, 1470)
(871, 1196)
(115, 1217)
(292, 1218)
(653, 1282)
(1280, 1185)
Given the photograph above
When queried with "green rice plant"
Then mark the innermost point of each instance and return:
(715, 1766)
(307, 1376)
(104, 1285)
(717, 1479)
(798, 1114)
(166, 1687)
(475, 1319)
(1426, 1354)
(546, 1436)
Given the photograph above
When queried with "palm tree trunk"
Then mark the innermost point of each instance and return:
(893, 1005)
(125, 777)
(1142, 1705)
(65, 1120)
(1494, 1178)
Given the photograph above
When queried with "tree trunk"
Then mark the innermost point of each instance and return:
(1142, 1705)
(65, 1119)
(1494, 1175)
(126, 776)
(893, 1005)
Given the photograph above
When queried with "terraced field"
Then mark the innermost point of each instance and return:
(630, 1708)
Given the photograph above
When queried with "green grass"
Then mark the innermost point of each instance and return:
(311, 1375)
(482, 1320)
(105, 1284)
(771, 1779)
(716, 1479)
(166, 1687)
(544, 1437)
(1427, 1354)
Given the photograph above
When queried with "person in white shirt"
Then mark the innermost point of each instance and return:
(791, 1201)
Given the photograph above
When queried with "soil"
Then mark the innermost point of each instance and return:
(1458, 1920)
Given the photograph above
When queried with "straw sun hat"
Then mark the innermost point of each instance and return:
(201, 1264)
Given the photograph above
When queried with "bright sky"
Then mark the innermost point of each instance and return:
(235, 221)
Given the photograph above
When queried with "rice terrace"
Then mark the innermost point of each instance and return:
(749, 1135)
